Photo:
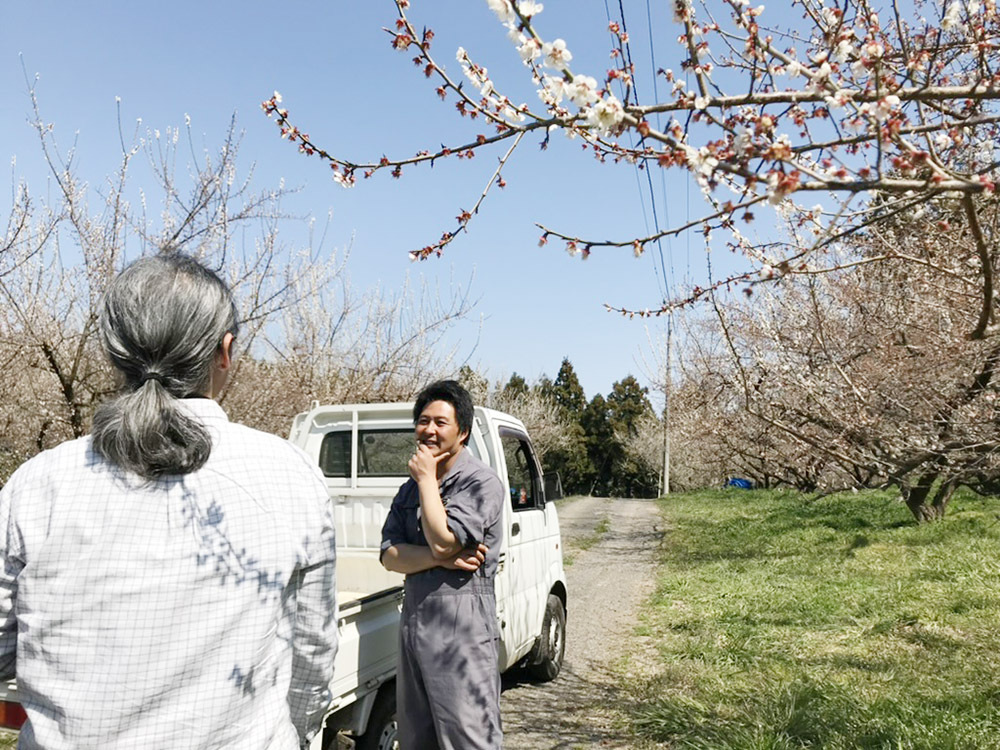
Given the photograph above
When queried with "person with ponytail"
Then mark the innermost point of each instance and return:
(168, 581)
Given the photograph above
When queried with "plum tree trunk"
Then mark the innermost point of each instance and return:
(926, 502)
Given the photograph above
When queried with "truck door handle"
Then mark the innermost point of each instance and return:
(515, 529)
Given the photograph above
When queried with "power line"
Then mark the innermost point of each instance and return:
(663, 281)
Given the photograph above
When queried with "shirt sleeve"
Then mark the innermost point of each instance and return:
(394, 528)
(473, 506)
(315, 638)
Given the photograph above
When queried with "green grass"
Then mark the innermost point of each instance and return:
(786, 623)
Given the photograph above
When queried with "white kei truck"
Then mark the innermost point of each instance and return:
(363, 450)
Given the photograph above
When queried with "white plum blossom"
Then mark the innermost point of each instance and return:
(702, 162)
(556, 54)
(984, 152)
(513, 114)
(553, 90)
(743, 141)
(606, 115)
(856, 124)
(682, 11)
(795, 68)
(503, 10)
(529, 50)
(881, 109)
(582, 91)
(952, 16)
(942, 141)
(529, 8)
(845, 50)
(840, 99)
(277, 97)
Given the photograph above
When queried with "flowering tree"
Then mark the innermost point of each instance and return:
(863, 377)
(767, 109)
(304, 333)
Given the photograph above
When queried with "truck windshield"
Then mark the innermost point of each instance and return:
(381, 453)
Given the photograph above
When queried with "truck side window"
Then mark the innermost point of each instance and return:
(522, 473)
(335, 454)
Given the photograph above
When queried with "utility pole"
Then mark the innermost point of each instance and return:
(666, 412)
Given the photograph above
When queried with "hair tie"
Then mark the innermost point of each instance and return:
(154, 376)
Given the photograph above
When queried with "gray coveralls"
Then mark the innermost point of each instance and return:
(448, 682)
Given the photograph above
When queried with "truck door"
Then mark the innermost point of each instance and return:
(526, 538)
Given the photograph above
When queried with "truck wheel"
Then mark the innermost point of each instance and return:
(552, 642)
(381, 731)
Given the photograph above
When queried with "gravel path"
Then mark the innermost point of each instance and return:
(609, 577)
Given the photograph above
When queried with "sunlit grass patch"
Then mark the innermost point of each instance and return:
(789, 622)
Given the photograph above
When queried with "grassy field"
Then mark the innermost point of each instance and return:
(787, 623)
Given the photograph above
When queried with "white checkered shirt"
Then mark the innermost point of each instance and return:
(198, 611)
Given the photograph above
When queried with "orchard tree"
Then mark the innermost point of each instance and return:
(304, 334)
(868, 377)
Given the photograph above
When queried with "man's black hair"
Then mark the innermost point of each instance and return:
(452, 392)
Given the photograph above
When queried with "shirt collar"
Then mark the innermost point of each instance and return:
(205, 410)
(460, 460)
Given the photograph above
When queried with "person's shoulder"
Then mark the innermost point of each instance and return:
(266, 455)
(474, 469)
(266, 445)
(64, 462)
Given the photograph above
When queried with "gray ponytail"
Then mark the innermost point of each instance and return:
(162, 321)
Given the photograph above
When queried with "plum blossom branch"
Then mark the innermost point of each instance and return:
(464, 217)
(838, 103)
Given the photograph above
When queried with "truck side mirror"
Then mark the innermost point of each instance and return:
(553, 486)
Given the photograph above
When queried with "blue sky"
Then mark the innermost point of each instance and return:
(357, 97)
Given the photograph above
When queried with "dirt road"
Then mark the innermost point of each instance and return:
(611, 572)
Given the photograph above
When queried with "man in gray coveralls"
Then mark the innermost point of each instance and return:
(443, 532)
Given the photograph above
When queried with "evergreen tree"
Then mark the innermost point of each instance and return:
(572, 462)
(516, 386)
(567, 391)
(627, 405)
(601, 445)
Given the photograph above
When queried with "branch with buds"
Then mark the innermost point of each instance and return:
(839, 103)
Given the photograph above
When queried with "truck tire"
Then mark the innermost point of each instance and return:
(381, 731)
(551, 643)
